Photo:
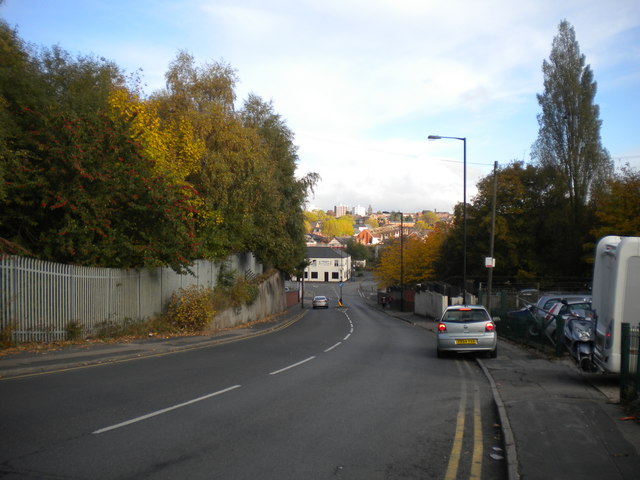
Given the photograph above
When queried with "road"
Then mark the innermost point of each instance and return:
(344, 393)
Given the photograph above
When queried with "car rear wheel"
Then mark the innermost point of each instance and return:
(493, 353)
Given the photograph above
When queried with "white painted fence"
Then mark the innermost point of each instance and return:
(39, 299)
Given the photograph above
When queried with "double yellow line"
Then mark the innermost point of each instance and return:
(456, 449)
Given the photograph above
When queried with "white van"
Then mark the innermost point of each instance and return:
(616, 296)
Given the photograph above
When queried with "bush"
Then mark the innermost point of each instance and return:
(190, 309)
(129, 327)
(6, 336)
(73, 330)
(236, 293)
(243, 292)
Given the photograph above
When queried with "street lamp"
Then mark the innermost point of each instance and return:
(464, 213)
(402, 261)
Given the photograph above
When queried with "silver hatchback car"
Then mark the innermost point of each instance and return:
(467, 328)
(320, 301)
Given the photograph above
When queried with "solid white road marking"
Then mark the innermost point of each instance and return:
(165, 410)
(292, 366)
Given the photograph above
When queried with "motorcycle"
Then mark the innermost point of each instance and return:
(579, 336)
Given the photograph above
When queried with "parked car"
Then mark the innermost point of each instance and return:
(467, 328)
(540, 311)
(545, 302)
(580, 307)
(320, 301)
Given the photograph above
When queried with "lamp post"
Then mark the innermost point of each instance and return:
(493, 228)
(402, 261)
(464, 212)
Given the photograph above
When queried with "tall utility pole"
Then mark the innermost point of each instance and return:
(402, 261)
(493, 227)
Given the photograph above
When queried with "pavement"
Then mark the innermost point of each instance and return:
(557, 422)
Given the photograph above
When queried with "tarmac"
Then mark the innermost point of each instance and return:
(556, 422)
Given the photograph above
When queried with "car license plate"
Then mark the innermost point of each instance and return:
(466, 341)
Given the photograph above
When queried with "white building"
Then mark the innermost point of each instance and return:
(327, 265)
(341, 210)
(359, 210)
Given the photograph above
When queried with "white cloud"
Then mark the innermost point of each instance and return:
(362, 82)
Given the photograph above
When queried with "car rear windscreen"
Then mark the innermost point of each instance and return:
(466, 316)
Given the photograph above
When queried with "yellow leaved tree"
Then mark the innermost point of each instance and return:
(172, 145)
(418, 259)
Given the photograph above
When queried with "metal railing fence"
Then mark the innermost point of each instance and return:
(40, 299)
(523, 327)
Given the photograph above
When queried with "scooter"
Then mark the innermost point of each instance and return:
(579, 335)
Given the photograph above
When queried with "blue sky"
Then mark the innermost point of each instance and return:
(362, 83)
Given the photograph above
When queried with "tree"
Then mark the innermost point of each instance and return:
(21, 85)
(429, 217)
(246, 172)
(395, 217)
(338, 227)
(82, 84)
(315, 216)
(525, 206)
(84, 195)
(618, 205)
(419, 255)
(171, 146)
(359, 251)
(92, 173)
(231, 163)
(78, 189)
(278, 215)
(569, 125)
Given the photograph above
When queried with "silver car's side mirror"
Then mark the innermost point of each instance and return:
(496, 319)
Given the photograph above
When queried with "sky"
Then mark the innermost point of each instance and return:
(363, 83)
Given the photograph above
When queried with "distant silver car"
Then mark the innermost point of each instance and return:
(467, 328)
(320, 301)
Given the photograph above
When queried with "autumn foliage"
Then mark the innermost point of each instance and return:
(92, 172)
(417, 256)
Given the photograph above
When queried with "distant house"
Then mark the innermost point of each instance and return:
(313, 240)
(365, 237)
(340, 242)
(378, 235)
(316, 228)
(335, 243)
(327, 265)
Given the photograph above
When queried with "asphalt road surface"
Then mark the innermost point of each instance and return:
(344, 393)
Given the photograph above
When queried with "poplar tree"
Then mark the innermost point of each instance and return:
(569, 143)
(569, 124)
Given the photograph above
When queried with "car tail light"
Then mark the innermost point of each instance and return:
(489, 327)
(442, 327)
